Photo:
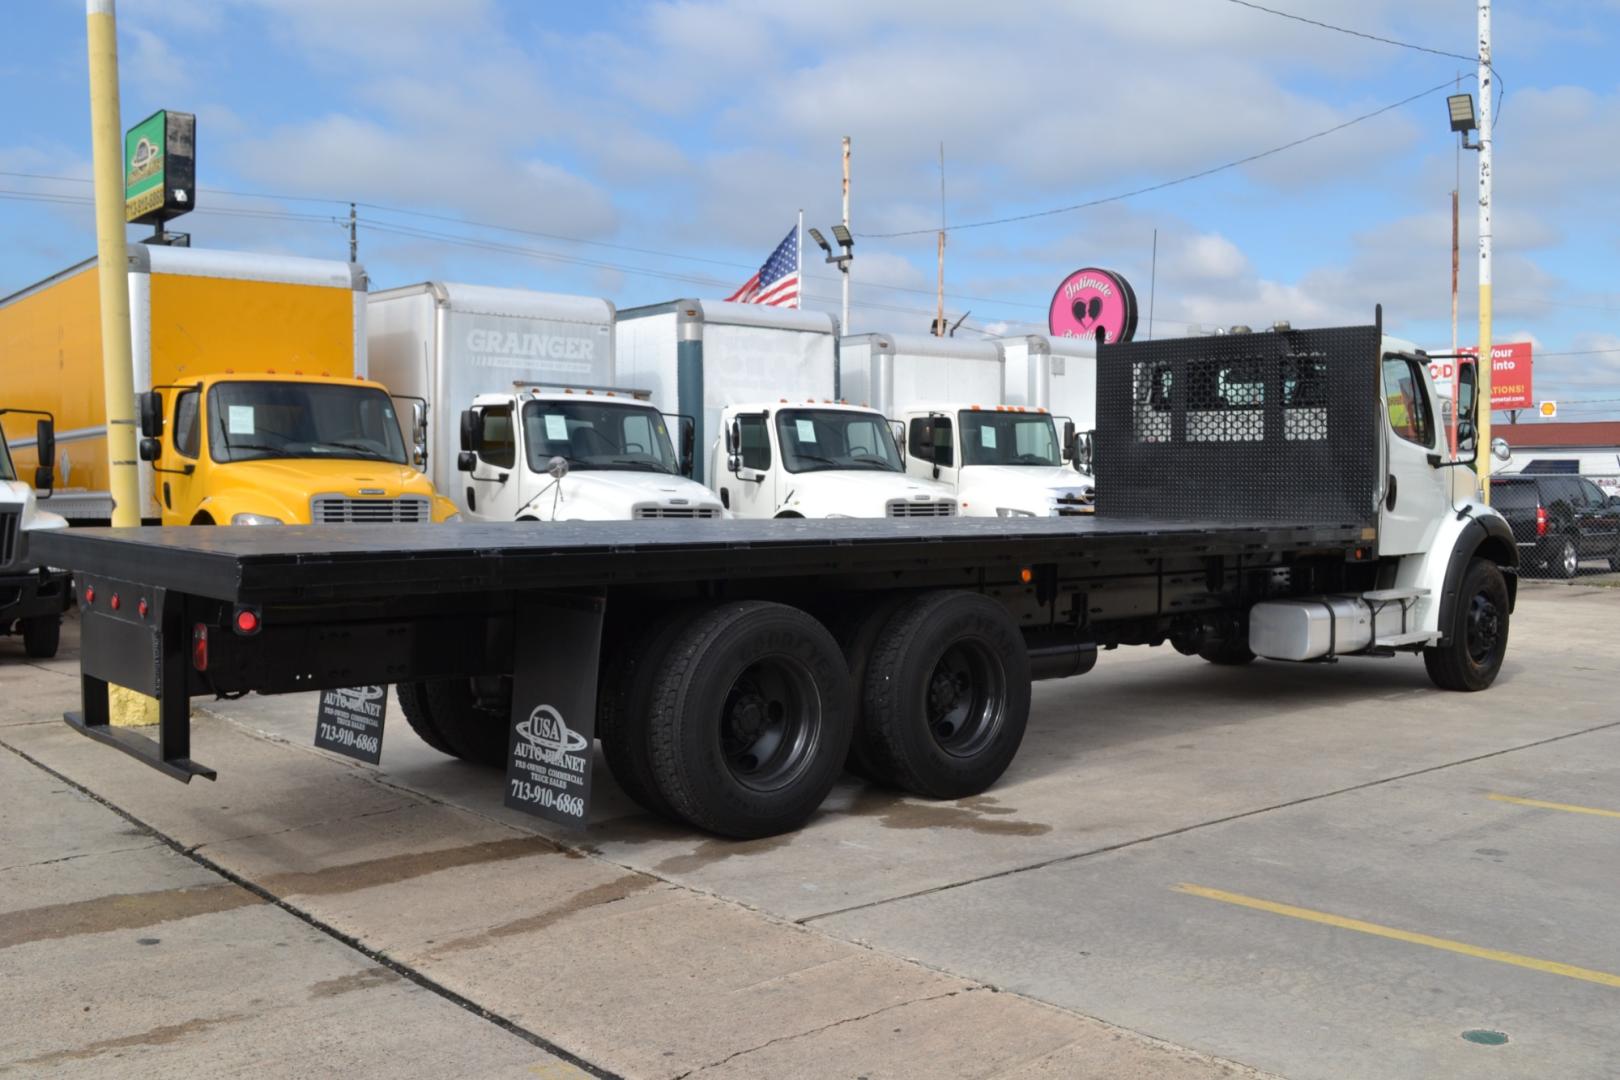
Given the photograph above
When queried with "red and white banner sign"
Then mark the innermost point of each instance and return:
(1510, 374)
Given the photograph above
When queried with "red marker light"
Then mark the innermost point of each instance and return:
(141, 608)
(199, 647)
(247, 622)
(113, 603)
(89, 594)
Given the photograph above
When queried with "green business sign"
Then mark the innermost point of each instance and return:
(160, 167)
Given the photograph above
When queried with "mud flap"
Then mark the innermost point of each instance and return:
(556, 649)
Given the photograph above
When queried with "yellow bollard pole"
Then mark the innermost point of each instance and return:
(112, 257)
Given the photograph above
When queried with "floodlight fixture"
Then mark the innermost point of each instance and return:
(1462, 112)
(842, 235)
(815, 234)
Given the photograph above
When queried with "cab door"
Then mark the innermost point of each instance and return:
(750, 492)
(494, 486)
(181, 481)
(1417, 490)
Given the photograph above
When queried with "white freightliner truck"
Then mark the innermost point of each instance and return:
(1276, 495)
(950, 398)
(1059, 375)
(528, 424)
(32, 595)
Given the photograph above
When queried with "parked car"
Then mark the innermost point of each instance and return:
(1559, 520)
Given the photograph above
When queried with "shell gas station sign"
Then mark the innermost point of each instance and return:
(1510, 374)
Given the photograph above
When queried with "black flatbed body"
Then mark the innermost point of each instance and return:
(300, 564)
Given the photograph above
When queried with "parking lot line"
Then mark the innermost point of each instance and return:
(1566, 807)
(1551, 967)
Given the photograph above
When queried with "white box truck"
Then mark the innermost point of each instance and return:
(527, 421)
(1000, 460)
(1059, 375)
(32, 595)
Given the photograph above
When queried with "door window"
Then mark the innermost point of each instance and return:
(187, 429)
(1409, 415)
(754, 442)
(1594, 495)
(496, 445)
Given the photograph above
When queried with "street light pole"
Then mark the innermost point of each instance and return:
(1485, 367)
(844, 324)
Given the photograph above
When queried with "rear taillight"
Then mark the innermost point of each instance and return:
(1541, 521)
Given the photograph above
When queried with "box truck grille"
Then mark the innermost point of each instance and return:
(1074, 504)
(902, 508)
(676, 512)
(337, 510)
(10, 525)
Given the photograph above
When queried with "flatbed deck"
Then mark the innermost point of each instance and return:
(269, 565)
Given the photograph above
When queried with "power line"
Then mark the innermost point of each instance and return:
(1168, 183)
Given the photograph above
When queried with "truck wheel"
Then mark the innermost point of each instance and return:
(42, 634)
(1478, 635)
(1228, 652)
(946, 695)
(857, 628)
(1566, 561)
(623, 701)
(750, 719)
(463, 728)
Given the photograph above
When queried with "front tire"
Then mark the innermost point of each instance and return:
(946, 695)
(42, 636)
(1476, 641)
(750, 716)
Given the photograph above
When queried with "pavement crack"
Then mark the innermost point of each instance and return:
(71, 858)
(1195, 826)
(818, 1030)
(422, 980)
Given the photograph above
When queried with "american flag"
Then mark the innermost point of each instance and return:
(777, 282)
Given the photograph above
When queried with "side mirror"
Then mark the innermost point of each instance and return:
(898, 430)
(465, 461)
(1467, 437)
(151, 449)
(733, 447)
(1084, 449)
(1500, 450)
(1614, 501)
(45, 452)
(557, 467)
(688, 431)
(149, 408)
(471, 433)
(419, 432)
(1071, 449)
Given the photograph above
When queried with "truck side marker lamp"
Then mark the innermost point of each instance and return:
(246, 621)
(1026, 575)
(89, 594)
(199, 646)
(113, 603)
(141, 608)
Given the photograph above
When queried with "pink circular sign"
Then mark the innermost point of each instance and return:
(1090, 300)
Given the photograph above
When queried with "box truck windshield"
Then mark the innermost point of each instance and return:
(817, 440)
(255, 420)
(598, 435)
(1000, 438)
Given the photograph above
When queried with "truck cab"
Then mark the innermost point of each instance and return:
(32, 596)
(999, 461)
(565, 453)
(817, 460)
(284, 449)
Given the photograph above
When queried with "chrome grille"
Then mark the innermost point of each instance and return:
(338, 510)
(933, 508)
(1069, 505)
(10, 525)
(676, 512)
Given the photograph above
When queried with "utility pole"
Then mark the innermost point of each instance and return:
(845, 323)
(1456, 367)
(1485, 365)
(939, 313)
(354, 236)
(112, 258)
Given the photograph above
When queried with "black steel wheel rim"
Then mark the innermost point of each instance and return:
(770, 724)
(1484, 628)
(965, 700)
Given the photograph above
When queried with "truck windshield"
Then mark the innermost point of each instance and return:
(250, 421)
(1003, 438)
(597, 435)
(815, 440)
(8, 471)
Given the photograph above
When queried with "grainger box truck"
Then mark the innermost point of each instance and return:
(259, 412)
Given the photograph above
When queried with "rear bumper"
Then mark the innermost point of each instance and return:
(32, 594)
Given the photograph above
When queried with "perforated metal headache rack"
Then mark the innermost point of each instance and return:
(1269, 427)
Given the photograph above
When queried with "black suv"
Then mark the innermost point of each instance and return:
(1559, 520)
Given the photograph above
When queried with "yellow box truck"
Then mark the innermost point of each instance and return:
(255, 408)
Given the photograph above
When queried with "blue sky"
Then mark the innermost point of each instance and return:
(644, 150)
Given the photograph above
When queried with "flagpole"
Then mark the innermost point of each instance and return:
(798, 301)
